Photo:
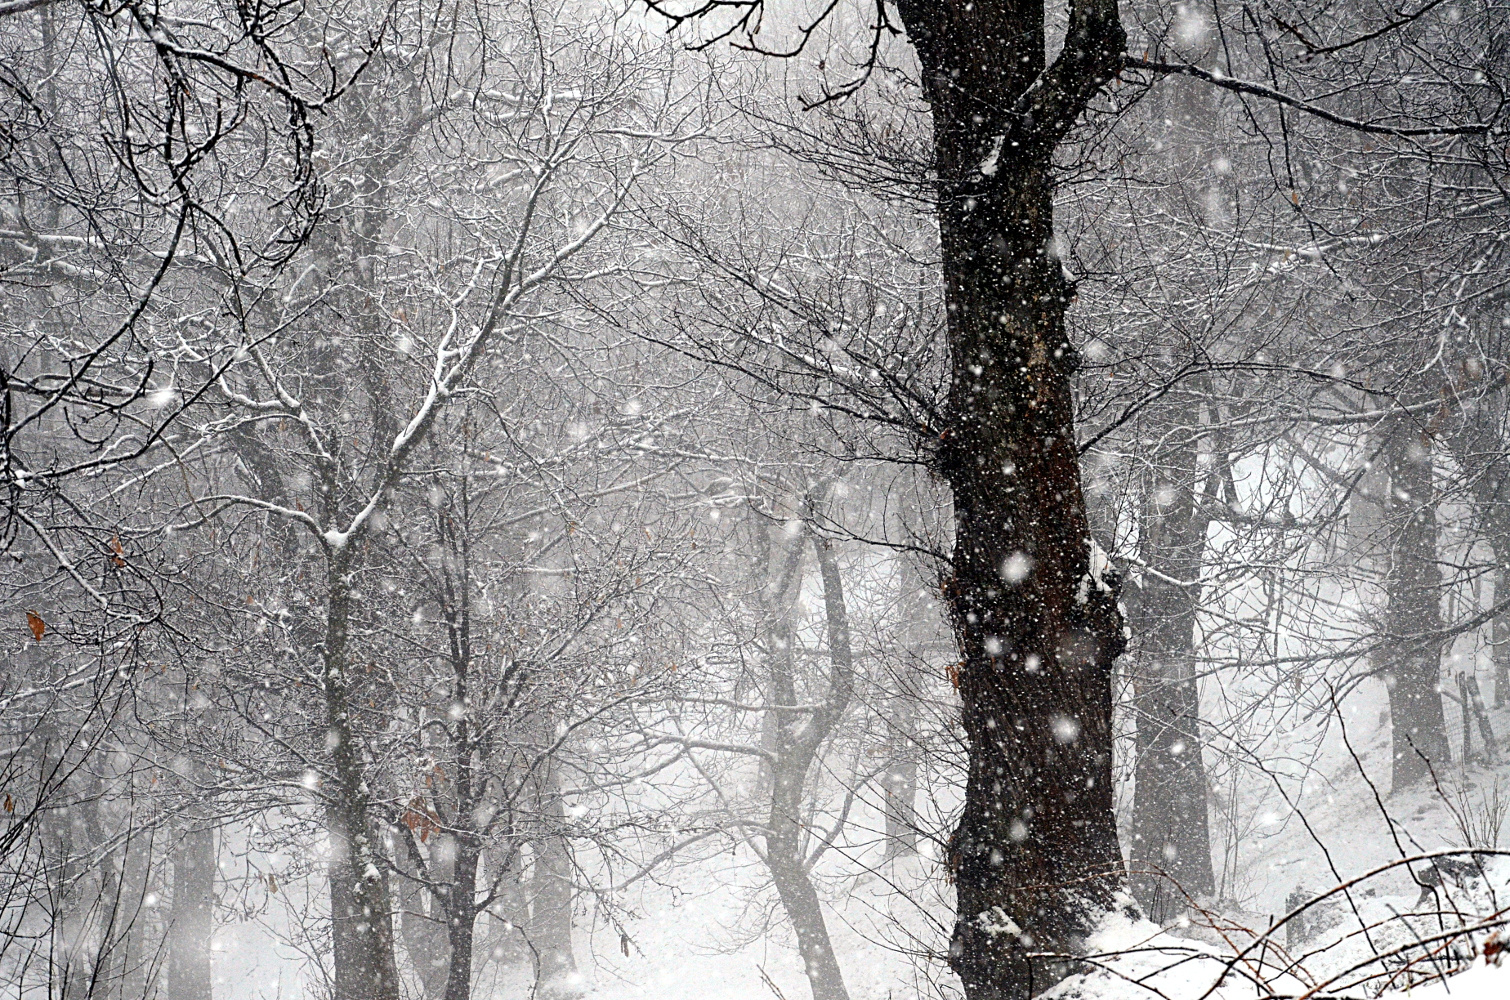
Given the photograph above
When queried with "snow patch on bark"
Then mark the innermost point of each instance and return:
(1101, 565)
(995, 921)
(989, 165)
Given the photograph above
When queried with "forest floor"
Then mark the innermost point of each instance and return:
(709, 928)
(714, 937)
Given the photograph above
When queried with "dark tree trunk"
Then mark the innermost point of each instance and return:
(361, 919)
(1036, 853)
(1413, 590)
(462, 917)
(189, 973)
(1171, 841)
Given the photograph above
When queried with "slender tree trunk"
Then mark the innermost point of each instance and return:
(1036, 855)
(123, 876)
(136, 866)
(93, 965)
(551, 891)
(784, 857)
(1500, 631)
(361, 918)
(421, 919)
(800, 901)
(900, 786)
(798, 738)
(66, 970)
(189, 969)
(1171, 839)
(498, 939)
(1413, 590)
(899, 783)
(1478, 446)
(469, 781)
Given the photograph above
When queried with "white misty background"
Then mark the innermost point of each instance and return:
(754, 499)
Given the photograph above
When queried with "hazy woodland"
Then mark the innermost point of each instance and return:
(749, 499)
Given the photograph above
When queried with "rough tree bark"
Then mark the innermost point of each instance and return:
(1035, 854)
(1171, 841)
(361, 918)
(1412, 656)
(461, 925)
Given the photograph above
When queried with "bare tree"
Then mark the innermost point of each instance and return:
(1036, 618)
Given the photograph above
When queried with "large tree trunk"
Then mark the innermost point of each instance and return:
(189, 970)
(1036, 852)
(361, 920)
(1412, 655)
(1171, 840)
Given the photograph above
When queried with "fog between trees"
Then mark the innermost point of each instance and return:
(512, 498)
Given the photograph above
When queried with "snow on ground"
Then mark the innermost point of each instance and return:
(698, 934)
(688, 947)
(695, 944)
(698, 943)
(1484, 981)
(1139, 960)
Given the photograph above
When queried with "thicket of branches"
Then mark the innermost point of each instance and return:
(467, 462)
